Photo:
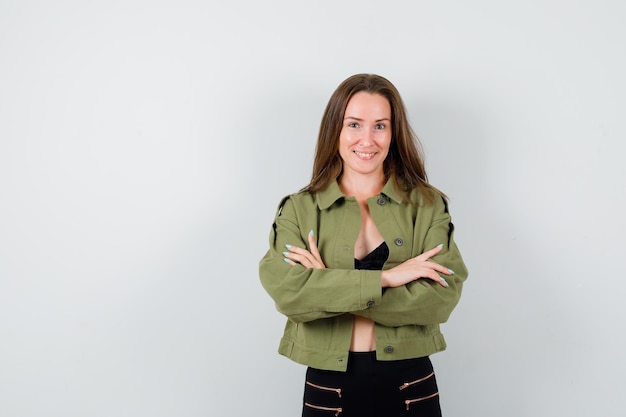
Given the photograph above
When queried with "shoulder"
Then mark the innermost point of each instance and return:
(295, 202)
(428, 197)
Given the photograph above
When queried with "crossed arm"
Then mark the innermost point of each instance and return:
(419, 267)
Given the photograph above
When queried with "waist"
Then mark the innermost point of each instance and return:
(366, 362)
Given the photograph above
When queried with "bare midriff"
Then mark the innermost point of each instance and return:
(363, 335)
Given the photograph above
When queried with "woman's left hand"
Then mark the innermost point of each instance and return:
(308, 259)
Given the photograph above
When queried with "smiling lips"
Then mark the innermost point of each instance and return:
(365, 155)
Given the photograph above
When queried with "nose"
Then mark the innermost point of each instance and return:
(367, 136)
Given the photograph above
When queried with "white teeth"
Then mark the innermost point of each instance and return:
(364, 155)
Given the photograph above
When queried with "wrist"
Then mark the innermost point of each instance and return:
(384, 279)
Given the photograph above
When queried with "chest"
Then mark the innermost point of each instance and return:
(350, 230)
(369, 237)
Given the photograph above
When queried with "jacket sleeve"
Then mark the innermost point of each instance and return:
(425, 302)
(309, 294)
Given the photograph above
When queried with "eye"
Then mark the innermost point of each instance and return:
(380, 126)
(353, 124)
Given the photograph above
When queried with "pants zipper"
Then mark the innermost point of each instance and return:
(336, 410)
(409, 402)
(337, 390)
(408, 384)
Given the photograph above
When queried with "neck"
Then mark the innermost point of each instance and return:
(362, 186)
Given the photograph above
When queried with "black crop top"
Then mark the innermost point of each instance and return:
(373, 260)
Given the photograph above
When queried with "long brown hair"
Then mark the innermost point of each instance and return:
(404, 163)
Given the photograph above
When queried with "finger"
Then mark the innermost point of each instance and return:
(288, 261)
(439, 268)
(296, 257)
(294, 253)
(297, 250)
(293, 248)
(313, 245)
(442, 281)
(302, 256)
(430, 253)
(437, 278)
(318, 262)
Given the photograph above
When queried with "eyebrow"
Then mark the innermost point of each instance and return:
(360, 120)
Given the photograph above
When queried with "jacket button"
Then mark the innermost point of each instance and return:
(370, 303)
(381, 201)
(399, 241)
(388, 349)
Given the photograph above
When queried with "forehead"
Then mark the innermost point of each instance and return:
(364, 104)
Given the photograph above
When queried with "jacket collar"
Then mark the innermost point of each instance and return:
(332, 193)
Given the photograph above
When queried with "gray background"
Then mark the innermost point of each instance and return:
(144, 146)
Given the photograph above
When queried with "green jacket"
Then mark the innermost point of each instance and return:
(319, 303)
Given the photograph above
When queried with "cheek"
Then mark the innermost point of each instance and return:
(385, 142)
(345, 136)
(343, 146)
(345, 141)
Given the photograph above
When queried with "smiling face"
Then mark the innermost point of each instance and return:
(365, 135)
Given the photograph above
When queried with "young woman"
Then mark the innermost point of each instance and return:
(363, 263)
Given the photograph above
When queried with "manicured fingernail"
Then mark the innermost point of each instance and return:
(450, 271)
(286, 260)
(311, 233)
(286, 253)
(288, 246)
(445, 283)
(440, 245)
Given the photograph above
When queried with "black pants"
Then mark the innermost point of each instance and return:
(372, 388)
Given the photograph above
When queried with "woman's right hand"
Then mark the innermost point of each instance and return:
(416, 268)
